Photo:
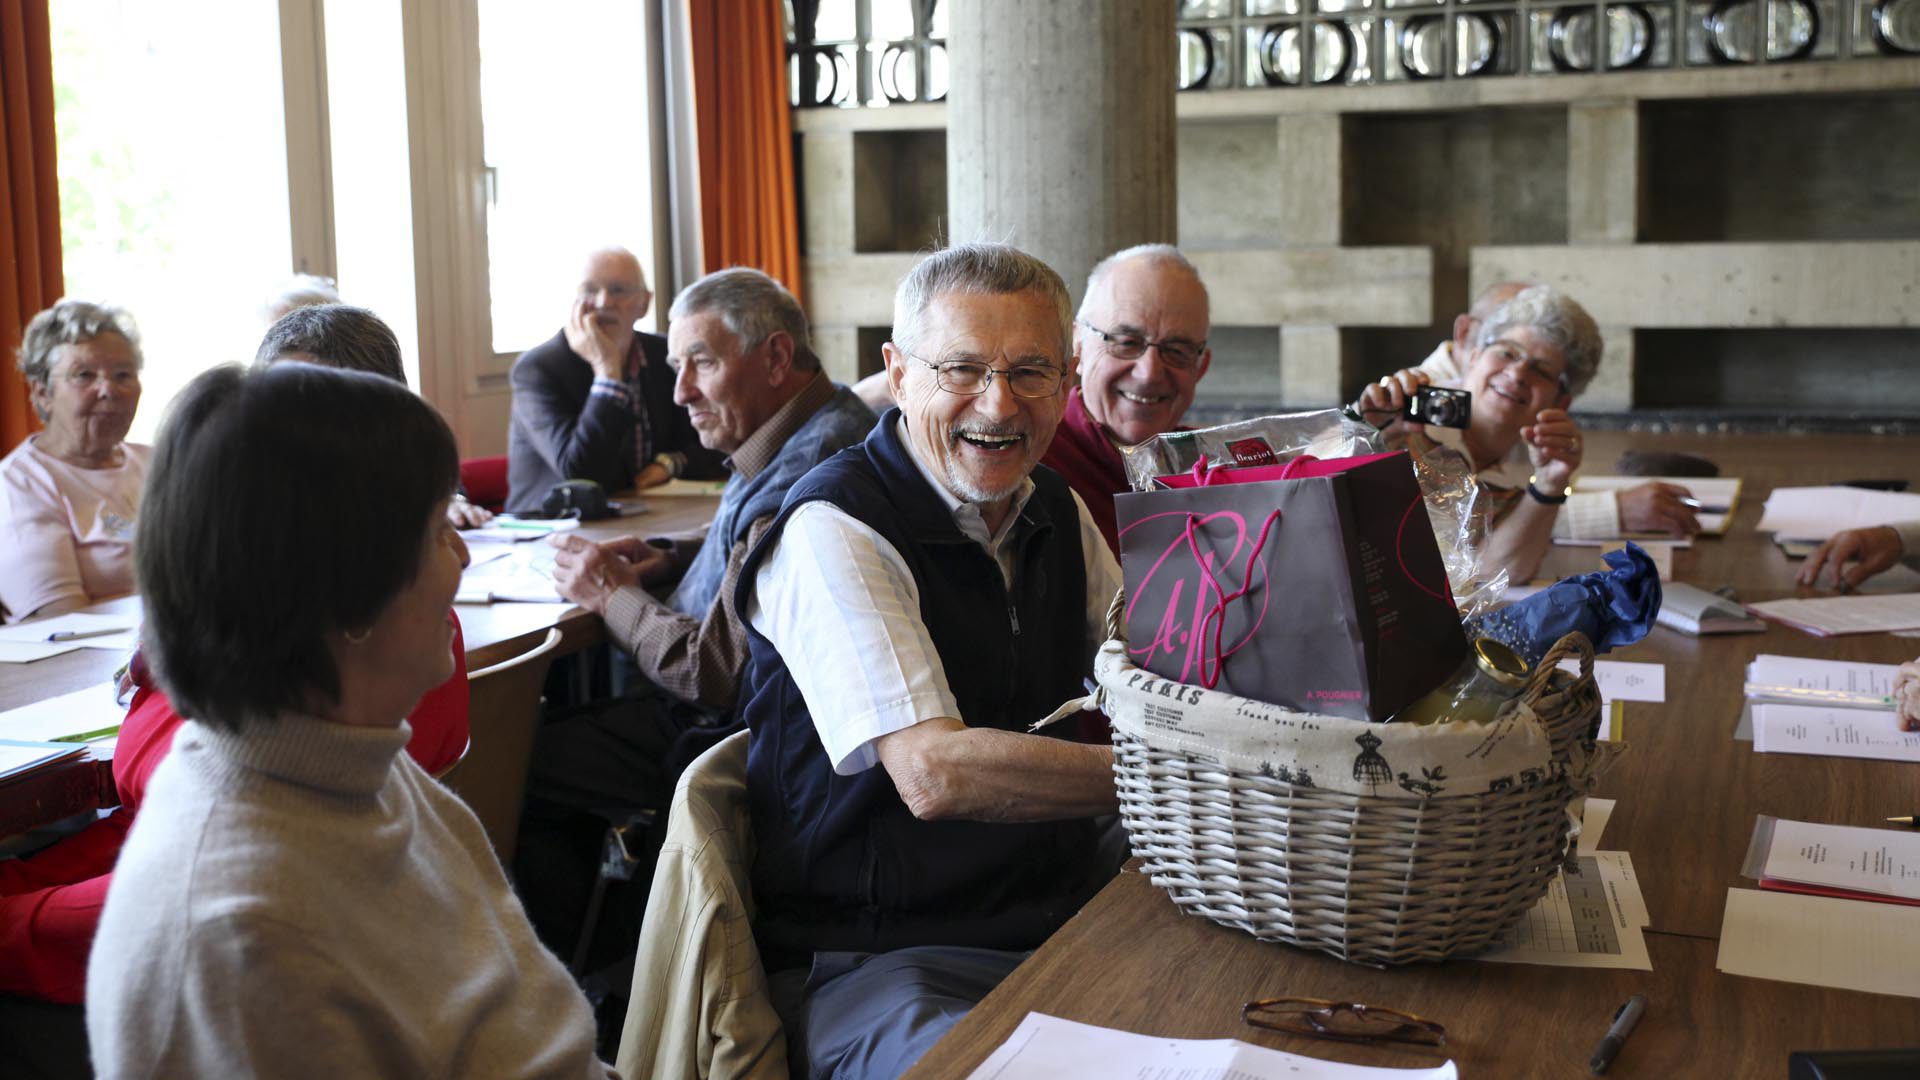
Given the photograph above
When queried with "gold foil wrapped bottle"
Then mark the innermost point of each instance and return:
(1492, 676)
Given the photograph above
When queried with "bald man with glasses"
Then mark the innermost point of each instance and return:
(1140, 344)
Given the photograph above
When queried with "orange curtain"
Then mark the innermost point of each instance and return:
(747, 204)
(30, 192)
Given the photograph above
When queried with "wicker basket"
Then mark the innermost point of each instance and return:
(1372, 879)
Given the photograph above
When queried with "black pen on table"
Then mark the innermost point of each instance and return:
(1623, 1021)
(1705, 508)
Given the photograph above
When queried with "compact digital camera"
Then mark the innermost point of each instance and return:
(1440, 406)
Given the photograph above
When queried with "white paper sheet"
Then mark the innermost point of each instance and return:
(1821, 941)
(25, 757)
(523, 575)
(1048, 1048)
(1826, 616)
(1593, 821)
(26, 652)
(1831, 732)
(1884, 861)
(1815, 513)
(90, 708)
(1625, 680)
(1803, 680)
(1594, 919)
(78, 622)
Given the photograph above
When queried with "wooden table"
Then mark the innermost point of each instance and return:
(1687, 796)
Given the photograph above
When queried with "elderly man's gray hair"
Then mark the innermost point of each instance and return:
(980, 270)
(301, 290)
(71, 322)
(752, 306)
(1560, 320)
(1160, 254)
(336, 336)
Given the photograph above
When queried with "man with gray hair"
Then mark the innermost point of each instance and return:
(754, 391)
(1140, 345)
(920, 600)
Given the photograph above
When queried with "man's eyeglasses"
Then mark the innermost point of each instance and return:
(1174, 354)
(1533, 369)
(970, 377)
(1343, 1021)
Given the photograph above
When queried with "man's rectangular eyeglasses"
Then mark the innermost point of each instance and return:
(971, 377)
(1344, 1021)
(1174, 354)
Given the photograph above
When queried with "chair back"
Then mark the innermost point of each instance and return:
(485, 481)
(699, 1009)
(503, 714)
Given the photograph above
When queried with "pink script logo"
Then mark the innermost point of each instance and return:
(1196, 573)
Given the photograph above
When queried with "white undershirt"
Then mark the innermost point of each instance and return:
(839, 603)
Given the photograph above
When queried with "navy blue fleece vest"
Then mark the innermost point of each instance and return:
(842, 863)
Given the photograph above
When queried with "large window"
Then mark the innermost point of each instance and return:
(173, 175)
(563, 101)
(453, 161)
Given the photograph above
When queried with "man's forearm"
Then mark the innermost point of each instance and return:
(946, 770)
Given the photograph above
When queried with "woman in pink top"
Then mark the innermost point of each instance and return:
(68, 496)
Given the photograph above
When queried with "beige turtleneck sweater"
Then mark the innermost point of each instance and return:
(302, 900)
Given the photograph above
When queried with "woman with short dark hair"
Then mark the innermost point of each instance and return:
(297, 897)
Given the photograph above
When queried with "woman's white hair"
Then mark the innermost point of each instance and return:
(1559, 319)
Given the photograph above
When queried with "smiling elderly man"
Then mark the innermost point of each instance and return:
(921, 599)
(1140, 344)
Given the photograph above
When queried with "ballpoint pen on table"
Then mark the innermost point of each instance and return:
(1623, 1021)
(1703, 507)
(76, 635)
(1911, 821)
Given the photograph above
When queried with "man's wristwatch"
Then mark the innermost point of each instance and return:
(1534, 493)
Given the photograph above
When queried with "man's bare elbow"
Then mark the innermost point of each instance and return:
(925, 793)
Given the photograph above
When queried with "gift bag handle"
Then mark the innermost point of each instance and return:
(1217, 614)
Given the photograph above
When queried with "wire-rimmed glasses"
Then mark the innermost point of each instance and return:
(1343, 1021)
(970, 377)
(1176, 353)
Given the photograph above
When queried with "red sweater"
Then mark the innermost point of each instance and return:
(1090, 463)
(50, 902)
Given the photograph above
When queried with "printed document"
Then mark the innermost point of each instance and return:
(1821, 941)
(1828, 616)
(1832, 732)
(1883, 862)
(1591, 919)
(1803, 680)
(1046, 1048)
(118, 631)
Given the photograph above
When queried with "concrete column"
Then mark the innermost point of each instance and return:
(1603, 172)
(1310, 185)
(1310, 361)
(827, 170)
(1060, 136)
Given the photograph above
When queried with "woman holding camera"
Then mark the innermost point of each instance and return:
(1534, 355)
(297, 897)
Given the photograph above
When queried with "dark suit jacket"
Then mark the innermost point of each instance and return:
(561, 432)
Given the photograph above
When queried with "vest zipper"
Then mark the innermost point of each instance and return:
(1013, 616)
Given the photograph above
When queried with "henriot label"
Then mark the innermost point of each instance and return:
(1251, 452)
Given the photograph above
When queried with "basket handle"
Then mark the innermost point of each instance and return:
(1574, 644)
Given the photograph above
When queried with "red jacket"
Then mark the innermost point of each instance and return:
(50, 902)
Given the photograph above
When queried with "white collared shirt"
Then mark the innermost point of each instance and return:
(839, 603)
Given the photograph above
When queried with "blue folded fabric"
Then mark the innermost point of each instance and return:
(1612, 607)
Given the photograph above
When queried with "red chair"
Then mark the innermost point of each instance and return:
(485, 481)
